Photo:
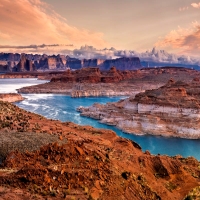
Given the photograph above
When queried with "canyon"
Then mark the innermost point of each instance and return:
(171, 110)
(49, 159)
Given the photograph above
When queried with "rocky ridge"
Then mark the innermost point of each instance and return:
(171, 110)
(89, 164)
(94, 75)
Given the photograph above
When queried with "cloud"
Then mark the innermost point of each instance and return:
(195, 5)
(33, 46)
(33, 21)
(187, 40)
(154, 55)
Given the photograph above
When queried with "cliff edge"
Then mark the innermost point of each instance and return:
(171, 110)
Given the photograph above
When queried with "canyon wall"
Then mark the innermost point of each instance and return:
(161, 111)
(91, 62)
(51, 63)
(122, 64)
(24, 65)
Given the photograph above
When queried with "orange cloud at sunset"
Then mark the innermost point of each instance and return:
(25, 22)
(186, 39)
(195, 5)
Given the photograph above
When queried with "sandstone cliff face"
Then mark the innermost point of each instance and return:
(91, 62)
(171, 110)
(73, 63)
(51, 63)
(8, 61)
(24, 65)
(122, 64)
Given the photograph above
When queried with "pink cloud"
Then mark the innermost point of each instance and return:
(195, 5)
(187, 40)
(29, 22)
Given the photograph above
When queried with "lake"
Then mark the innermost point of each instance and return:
(64, 108)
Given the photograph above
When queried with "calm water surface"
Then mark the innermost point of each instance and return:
(64, 108)
(10, 85)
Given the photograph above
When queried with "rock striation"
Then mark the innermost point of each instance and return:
(171, 110)
(84, 163)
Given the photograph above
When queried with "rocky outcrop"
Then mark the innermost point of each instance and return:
(171, 110)
(11, 97)
(52, 63)
(91, 62)
(7, 62)
(24, 65)
(85, 163)
(73, 63)
(94, 75)
(124, 63)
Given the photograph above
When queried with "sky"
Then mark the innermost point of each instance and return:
(99, 27)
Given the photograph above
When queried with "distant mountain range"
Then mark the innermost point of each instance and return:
(14, 62)
(10, 62)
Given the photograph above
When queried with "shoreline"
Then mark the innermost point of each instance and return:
(171, 110)
(145, 134)
(153, 139)
(11, 97)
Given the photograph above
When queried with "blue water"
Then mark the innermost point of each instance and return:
(64, 108)
(10, 85)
